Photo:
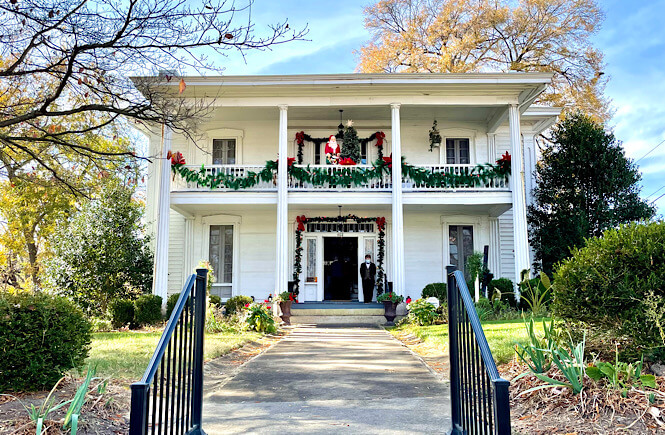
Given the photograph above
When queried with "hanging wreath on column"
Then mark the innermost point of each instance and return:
(301, 222)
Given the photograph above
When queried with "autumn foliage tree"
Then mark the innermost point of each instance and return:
(456, 36)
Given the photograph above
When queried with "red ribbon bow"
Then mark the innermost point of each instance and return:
(300, 137)
(381, 222)
(388, 161)
(176, 159)
(302, 220)
(289, 161)
(379, 138)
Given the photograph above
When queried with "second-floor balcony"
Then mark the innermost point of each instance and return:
(332, 178)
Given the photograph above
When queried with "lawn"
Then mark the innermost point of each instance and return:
(125, 355)
(501, 336)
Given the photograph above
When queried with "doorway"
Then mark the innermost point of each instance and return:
(340, 268)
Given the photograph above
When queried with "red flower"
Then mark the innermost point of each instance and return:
(176, 159)
(348, 161)
(266, 301)
(246, 305)
(408, 300)
(379, 138)
(291, 298)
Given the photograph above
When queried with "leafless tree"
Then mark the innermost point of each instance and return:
(65, 68)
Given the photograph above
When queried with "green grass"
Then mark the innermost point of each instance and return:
(501, 336)
(125, 355)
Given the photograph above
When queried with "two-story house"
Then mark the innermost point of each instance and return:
(266, 227)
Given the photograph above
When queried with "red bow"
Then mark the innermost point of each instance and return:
(176, 159)
(388, 161)
(348, 161)
(381, 222)
(289, 161)
(302, 220)
(379, 138)
(300, 137)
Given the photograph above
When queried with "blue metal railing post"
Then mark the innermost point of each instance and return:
(456, 411)
(199, 329)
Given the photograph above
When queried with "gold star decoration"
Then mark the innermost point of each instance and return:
(349, 123)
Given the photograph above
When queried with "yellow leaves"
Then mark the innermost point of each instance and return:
(182, 86)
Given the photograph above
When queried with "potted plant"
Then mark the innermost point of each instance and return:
(285, 300)
(390, 301)
(434, 137)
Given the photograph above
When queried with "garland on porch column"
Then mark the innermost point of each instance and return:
(478, 175)
(381, 244)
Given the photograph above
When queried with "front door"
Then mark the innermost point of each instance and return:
(460, 246)
(340, 268)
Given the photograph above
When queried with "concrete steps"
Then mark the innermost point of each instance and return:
(337, 313)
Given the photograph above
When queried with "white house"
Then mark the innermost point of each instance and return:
(249, 230)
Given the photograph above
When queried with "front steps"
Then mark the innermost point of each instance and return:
(337, 313)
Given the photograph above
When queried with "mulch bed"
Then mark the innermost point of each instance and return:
(108, 413)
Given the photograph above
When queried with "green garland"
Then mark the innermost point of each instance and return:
(478, 175)
(381, 244)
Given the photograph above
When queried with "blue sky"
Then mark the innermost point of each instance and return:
(632, 38)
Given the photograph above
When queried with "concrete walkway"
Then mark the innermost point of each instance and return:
(324, 380)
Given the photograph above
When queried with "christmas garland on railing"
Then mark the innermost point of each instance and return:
(301, 221)
(346, 176)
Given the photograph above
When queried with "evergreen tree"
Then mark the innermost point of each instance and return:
(585, 184)
(351, 145)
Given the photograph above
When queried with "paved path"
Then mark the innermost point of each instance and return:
(323, 380)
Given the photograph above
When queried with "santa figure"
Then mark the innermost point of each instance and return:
(332, 151)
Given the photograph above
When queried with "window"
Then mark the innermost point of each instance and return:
(221, 252)
(223, 151)
(460, 244)
(457, 152)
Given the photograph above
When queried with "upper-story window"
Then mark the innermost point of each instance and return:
(223, 151)
(457, 152)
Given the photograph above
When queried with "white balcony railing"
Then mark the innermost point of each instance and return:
(490, 184)
(236, 171)
(381, 184)
(384, 183)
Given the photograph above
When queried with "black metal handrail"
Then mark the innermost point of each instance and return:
(169, 397)
(479, 396)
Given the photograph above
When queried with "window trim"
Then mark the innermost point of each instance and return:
(458, 133)
(234, 221)
(225, 133)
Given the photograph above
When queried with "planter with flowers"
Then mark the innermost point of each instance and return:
(390, 301)
(285, 300)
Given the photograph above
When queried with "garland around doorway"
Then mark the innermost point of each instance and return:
(301, 221)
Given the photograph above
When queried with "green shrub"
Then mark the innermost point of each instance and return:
(437, 290)
(41, 336)
(237, 303)
(148, 310)
(422, 313)
(259, 318)
(505, 287)
(216, 301)
(122, 313)
(101, 325)
(616, 283)
(170, 304)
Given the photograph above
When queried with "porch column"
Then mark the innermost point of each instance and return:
(160, 276)
(282, 247)
(189, 245)
(517, 188)
(398, 277)
(495, 248)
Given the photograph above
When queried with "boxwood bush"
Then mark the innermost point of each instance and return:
(505, 286)
(148, 310)
(237, 303)
(616, 283)
(437, 290)
(122, 313)
(170, 304)
(41, 337)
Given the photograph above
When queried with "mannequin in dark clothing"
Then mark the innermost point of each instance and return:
(368, 274)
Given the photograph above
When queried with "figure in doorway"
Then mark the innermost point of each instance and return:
(337, 277)
(368, 274)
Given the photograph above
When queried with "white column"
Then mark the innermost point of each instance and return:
(282, 245)
(520, 234)
(397, 209)
(187, 264)
(160, 276)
